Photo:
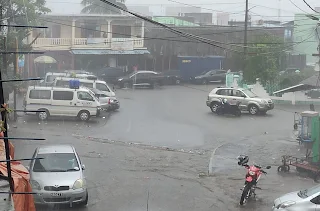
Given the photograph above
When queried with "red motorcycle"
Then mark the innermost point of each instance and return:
(253, 175)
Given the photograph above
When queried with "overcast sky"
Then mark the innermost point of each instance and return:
(260, 9)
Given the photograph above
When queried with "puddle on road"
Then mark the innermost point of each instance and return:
(225, 158)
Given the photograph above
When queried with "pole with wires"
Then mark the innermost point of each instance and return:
(245, 49)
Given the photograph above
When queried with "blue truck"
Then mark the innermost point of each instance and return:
(192, 66)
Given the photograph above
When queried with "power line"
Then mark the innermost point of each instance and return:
(310, 6)
(297, 6)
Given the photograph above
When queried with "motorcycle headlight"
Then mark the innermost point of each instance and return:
(35, 185)
(252, 173)
(286, 204)
(78, 184)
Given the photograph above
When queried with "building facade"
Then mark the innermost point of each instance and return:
(88, 41)
(305, 37)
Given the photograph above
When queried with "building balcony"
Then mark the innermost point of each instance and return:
(88, 43)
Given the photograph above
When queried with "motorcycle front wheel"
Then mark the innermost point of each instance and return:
(245, 194)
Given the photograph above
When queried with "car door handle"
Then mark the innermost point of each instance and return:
(234, 99)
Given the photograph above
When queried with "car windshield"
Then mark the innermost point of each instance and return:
(56, 162)
(249, 93)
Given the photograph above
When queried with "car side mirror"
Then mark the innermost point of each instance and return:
(244, 96)
(83, 167)
(268, 167)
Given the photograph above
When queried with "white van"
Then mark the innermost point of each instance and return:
(97, 84)
(56, 101)
(50, 76)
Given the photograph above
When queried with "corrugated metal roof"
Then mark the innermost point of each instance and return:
(104, 52)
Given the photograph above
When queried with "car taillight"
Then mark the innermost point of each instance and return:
(109, 101)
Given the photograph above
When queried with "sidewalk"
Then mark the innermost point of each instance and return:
(6, 201)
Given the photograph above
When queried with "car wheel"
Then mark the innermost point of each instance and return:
(126, 85)
(214, 107)
(43, 115)
(85, 202)
(155, 85)
(253, 109)
(204, 82)
(84, 115)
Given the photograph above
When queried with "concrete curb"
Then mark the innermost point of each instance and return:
(289, 102)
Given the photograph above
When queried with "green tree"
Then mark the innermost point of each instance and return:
(264, 58)
(99, 7)
(19, 12)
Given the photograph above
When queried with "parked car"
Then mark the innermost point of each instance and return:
(172, 77)
(110, 74)
(249, 101)
(58, 101)
(211, 76)
(57, 176)
(143, 78)
(107, 103)
(308, 199)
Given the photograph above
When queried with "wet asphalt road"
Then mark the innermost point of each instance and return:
(160, 143)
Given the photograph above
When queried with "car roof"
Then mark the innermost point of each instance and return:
(80, 79)
(58, 148)
(55, 88)
(146, 71)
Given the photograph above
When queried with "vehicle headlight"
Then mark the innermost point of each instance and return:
(286, 204)
(35, 185)
(78, 184)
(120, 79)
(252, 173)
(197, 77)
(264, 101)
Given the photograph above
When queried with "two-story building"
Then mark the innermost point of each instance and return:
(89, 41)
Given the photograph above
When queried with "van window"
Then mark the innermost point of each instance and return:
(61, 83)
(50, 78)
(40, 94)
(89, 85)
(62, 95)
(85, 96)
(102, 87)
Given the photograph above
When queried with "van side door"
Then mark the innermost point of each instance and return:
(86, 101)
(62, 103)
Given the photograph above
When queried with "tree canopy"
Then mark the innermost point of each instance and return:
(19, 12)
(99, 7)
(264, 58)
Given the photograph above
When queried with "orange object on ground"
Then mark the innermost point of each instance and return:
(21, 179)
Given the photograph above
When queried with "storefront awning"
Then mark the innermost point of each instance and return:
(104, 52)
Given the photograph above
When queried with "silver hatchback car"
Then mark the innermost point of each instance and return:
(304, 200)
(58, 177)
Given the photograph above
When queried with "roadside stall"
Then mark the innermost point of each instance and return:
(307, 126)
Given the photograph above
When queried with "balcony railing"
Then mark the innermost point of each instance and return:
(88, 42)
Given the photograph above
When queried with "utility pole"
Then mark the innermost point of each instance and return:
(245, 49)
(16, 66)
